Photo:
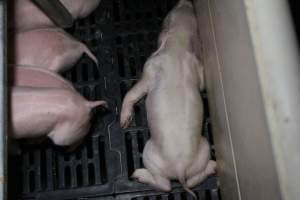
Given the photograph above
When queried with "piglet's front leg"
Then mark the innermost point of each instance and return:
(134, 95)
(139, 90)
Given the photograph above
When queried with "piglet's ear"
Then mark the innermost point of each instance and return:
(94, 104)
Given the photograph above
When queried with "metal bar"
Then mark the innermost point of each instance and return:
(277, 57)
(3, 100)
(56, 11)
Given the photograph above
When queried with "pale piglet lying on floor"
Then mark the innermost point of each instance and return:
(52, 49)
(45, 104)
(26, 15)
(172, 80)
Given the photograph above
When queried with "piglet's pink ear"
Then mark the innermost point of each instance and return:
(94, 104)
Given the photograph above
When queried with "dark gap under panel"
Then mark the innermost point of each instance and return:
(103, 165)
(130, 164)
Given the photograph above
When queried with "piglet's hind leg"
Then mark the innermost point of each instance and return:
(202, 166)
(198, 178)
(156, 181)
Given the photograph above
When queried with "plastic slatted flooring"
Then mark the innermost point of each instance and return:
(122, 34)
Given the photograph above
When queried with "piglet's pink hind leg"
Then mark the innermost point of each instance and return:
(144, 176)
(155, 167)
(198, 178)
(202, 166)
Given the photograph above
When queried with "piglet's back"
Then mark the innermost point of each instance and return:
(61, 114)
(51, 49)
(37, 77)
